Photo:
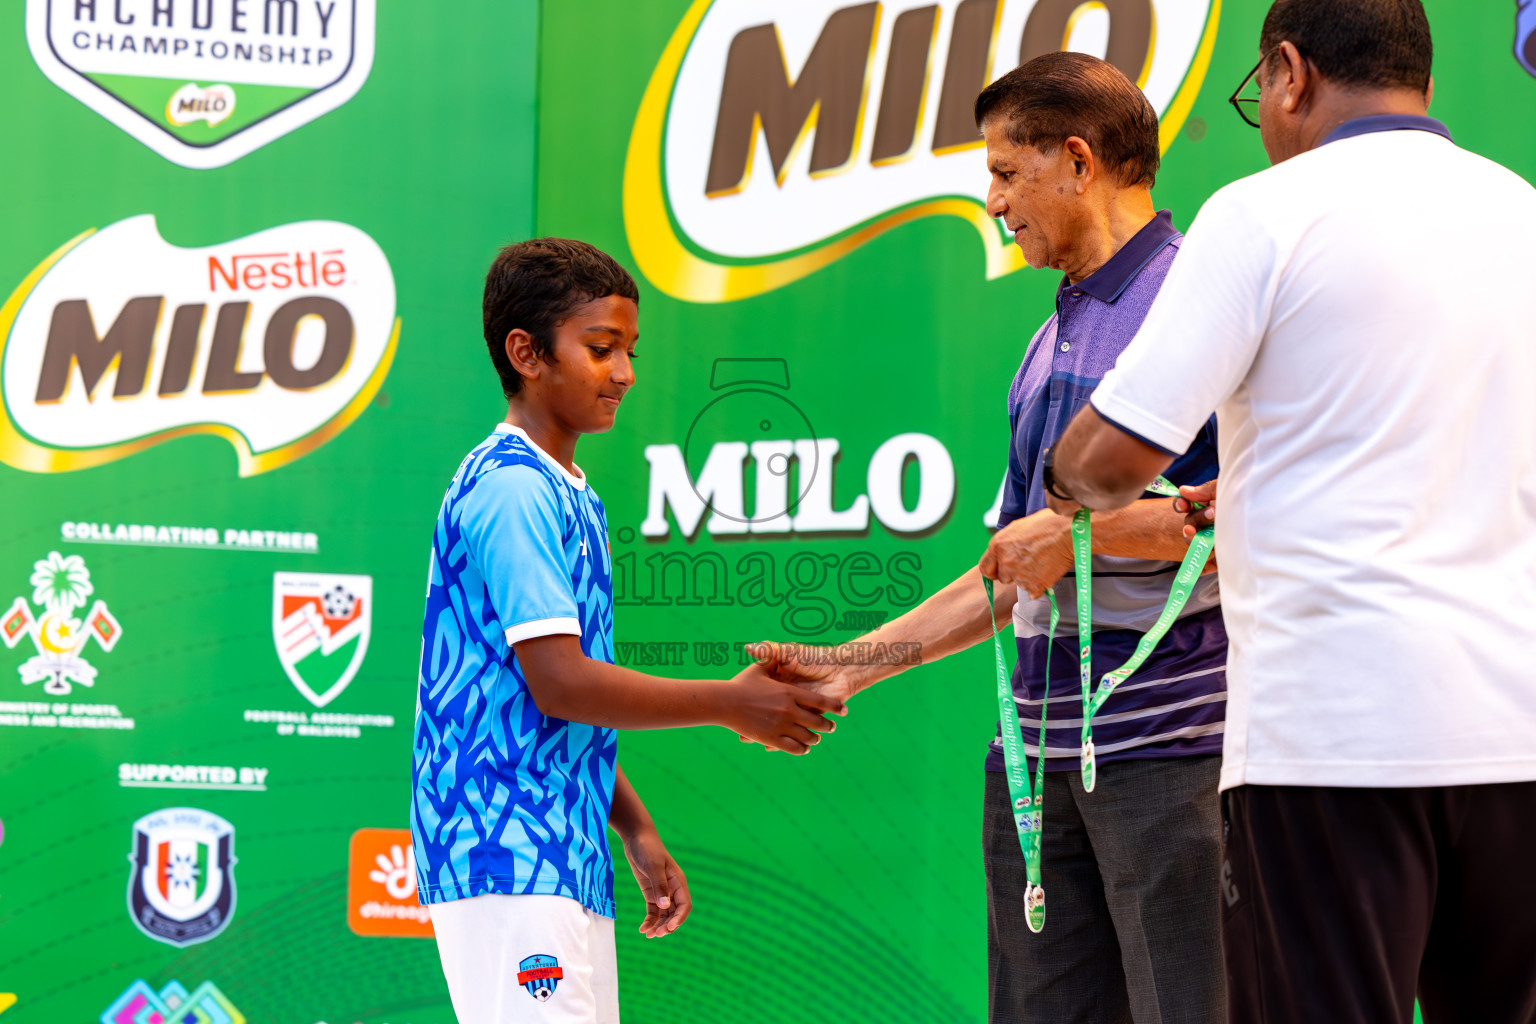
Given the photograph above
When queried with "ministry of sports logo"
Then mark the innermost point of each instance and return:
(320, 624)
(119, 340)
(775, 138)
(61, 587)
(540, 974)
(204, 82)
(140, 1002)
(182, 888)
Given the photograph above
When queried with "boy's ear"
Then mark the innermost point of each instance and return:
(521, 354)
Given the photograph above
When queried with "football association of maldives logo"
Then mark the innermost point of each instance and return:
(182, 888)
(141, 1004)
(61, 587)
(540, 974)
(320, 624)
(204, 82)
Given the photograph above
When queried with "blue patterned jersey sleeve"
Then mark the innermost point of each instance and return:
(518, 529)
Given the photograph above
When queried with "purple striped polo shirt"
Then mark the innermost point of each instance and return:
(1175, 705)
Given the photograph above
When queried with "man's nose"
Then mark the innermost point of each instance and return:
(996, 204)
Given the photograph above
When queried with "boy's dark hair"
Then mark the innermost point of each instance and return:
(536, 285)
(1380, 43)
(1055, 96)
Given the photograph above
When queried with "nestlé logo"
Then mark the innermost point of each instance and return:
(119, 340)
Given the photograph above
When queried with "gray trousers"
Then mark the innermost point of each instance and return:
(1132, 885)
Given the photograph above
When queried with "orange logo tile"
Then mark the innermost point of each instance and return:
(381, 885)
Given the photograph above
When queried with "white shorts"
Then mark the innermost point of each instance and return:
(539, 959)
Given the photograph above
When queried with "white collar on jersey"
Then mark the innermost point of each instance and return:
(578, 479)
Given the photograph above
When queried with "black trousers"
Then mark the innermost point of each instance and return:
(1132, 908)
(1343, 904)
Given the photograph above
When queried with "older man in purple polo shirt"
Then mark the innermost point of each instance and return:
(1131, 868)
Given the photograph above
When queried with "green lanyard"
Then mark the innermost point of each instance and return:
(1183, 585)
(1028, 803)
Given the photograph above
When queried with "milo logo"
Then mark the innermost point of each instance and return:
(774, 139)
(119, 340)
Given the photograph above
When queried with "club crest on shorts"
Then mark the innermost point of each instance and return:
(320, 624)
(182, 888)
(540, 974)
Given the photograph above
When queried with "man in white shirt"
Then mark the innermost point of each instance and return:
(1376, 530)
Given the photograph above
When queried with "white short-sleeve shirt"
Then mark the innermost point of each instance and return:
(1362, 317)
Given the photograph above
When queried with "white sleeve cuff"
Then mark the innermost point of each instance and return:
(544, 627)
(1140, 424)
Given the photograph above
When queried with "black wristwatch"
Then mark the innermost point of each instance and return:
(1048, 477)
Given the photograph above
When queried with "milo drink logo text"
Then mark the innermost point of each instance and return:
(275, 342)
(775, 138)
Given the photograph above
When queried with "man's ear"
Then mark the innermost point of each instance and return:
(1085, 166)
(1429, 92)
(1294, 76)
(521, 354)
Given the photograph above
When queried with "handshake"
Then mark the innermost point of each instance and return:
(783, 699)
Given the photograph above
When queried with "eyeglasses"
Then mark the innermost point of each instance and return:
(1237, 99)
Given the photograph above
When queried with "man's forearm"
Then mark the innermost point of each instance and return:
(952, 620)
(1149, 528)
(1101, 466)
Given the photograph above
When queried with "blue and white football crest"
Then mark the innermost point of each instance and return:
(540, 974)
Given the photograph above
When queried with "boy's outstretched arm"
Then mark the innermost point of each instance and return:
(667, 901)
(565, 683)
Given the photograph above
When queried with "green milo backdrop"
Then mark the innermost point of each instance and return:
(240, 358)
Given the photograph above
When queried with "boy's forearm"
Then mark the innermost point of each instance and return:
(952, 620)
(628, 815)
(1149, 528)
(565, 683)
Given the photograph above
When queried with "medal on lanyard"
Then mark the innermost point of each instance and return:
(1028, 801)
(1183, 585)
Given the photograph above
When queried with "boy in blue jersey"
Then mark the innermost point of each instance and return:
(516, 777)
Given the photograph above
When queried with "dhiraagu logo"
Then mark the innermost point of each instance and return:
(204, 82)
(775, 138)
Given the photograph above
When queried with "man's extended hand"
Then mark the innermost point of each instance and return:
(1196, 519)
(810, 668)
(667, 901)
(780, 716)
(1033, 552)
